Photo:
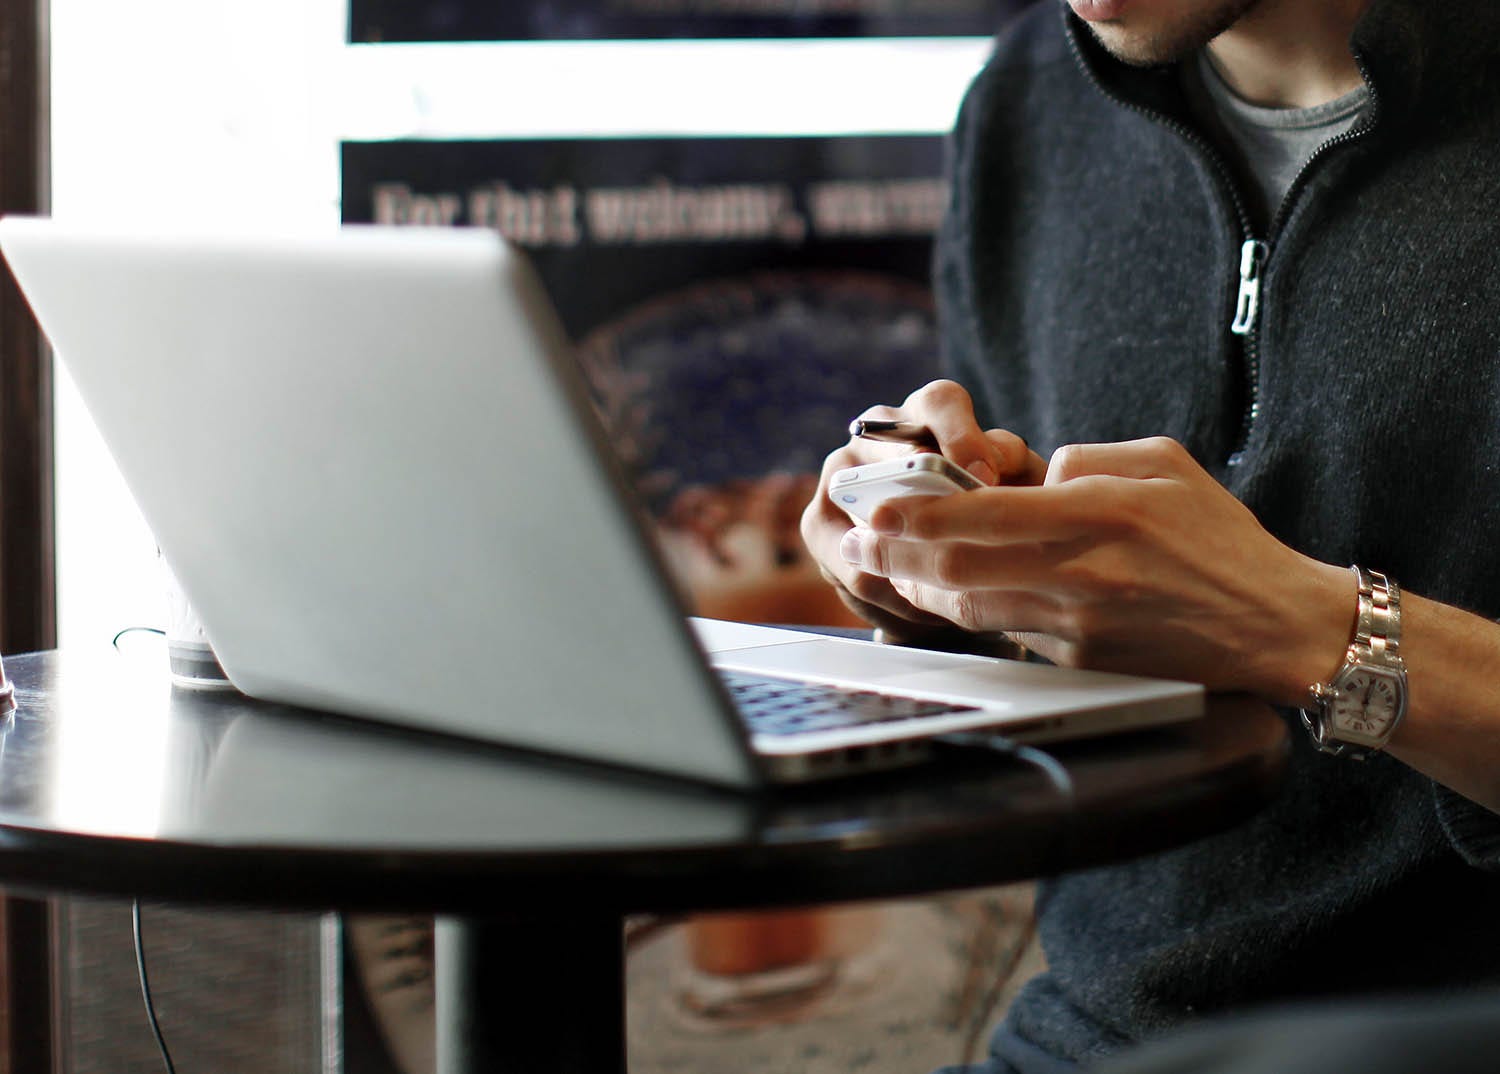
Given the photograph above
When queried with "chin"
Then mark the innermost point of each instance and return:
(1140, 49)
(1149, 33)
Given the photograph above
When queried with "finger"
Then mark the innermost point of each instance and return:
(869, 588)
(985, 610)
(1023, 466)
(947, 409)
(957, 566)
(870, 597)
(1048, 646)
(883, 413)
(877, 601)
(1156, 456)
(1006, 514)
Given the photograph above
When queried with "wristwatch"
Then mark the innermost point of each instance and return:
(1355, 713)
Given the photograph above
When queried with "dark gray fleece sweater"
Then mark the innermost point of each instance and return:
(1088, 275)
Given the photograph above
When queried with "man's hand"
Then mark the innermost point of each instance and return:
(1128, 557)
(993, 456)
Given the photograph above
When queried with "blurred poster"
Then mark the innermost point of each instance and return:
(735, 301)
(542, 20)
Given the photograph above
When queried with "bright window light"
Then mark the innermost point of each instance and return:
(203, 109)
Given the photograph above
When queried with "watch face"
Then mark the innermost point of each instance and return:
(1367, 702)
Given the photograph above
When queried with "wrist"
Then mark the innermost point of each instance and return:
(1319, 613)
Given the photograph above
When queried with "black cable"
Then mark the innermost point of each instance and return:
(140, 965)
(1050, 766)
(135, 919)
(115, 641)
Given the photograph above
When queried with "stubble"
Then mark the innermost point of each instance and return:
(1172, 40)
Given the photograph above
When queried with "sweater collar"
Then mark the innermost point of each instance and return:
(1429, 53)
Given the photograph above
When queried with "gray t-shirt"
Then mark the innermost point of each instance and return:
(1270, 144)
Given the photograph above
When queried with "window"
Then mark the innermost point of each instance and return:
(233, 112)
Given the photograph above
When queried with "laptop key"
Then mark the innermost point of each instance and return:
(783, 706)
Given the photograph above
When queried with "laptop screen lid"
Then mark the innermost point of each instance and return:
(368, 457)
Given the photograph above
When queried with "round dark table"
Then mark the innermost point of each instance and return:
(113, 782)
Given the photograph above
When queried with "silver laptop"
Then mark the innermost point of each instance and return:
(371, 461)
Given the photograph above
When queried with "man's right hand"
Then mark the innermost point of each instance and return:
(994, 457)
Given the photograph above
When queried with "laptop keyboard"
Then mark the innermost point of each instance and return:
(774, 706)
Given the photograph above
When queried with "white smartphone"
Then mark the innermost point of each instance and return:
(861, 489)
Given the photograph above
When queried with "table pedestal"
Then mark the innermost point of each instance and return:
(517, 995)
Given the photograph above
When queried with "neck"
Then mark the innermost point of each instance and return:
(1291, 53)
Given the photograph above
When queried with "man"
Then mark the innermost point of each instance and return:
(1228, 266)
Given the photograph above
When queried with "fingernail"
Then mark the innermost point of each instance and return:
(983, 470)
(888, 522)
(852, 547)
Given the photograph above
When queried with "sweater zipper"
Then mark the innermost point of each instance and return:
(1254, 252)
(1253, 256)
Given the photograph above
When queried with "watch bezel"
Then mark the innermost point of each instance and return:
(1396, 675)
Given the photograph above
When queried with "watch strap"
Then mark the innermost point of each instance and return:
(1377, 640)
(1378, 624)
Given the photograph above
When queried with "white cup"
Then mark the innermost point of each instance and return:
(190, 655)
(7, 694)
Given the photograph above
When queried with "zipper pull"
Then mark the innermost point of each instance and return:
(1253, 256)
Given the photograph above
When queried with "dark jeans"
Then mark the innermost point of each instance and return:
(1458, 1034)
(1009, 1054)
